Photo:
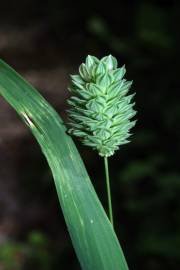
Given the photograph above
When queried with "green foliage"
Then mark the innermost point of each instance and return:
(153, 31)
(31, 254)
(11, 256)
(101, 110)
(92, 234)
(38, 255)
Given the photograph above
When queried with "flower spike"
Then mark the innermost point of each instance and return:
(101, 110)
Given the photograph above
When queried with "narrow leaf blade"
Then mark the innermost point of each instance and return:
(92, 235)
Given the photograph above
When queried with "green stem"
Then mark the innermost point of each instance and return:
(108, 190)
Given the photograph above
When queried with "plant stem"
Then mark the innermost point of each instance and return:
(108, 190)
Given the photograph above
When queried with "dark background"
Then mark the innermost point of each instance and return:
(46, 41)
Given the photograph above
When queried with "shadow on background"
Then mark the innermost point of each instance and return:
(46, 41)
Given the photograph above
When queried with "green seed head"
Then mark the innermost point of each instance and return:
(100, 107)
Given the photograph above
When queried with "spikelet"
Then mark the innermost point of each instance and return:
(101, 110)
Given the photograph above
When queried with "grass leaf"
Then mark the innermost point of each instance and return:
(92, 235)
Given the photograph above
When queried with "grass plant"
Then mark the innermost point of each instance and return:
(92, 234)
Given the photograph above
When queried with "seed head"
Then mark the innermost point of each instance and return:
(101, 110)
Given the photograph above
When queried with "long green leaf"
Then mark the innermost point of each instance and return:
(92, 235)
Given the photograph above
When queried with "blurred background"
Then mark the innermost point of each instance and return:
(46, 41)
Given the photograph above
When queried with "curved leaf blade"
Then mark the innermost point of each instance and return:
(92, 235)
